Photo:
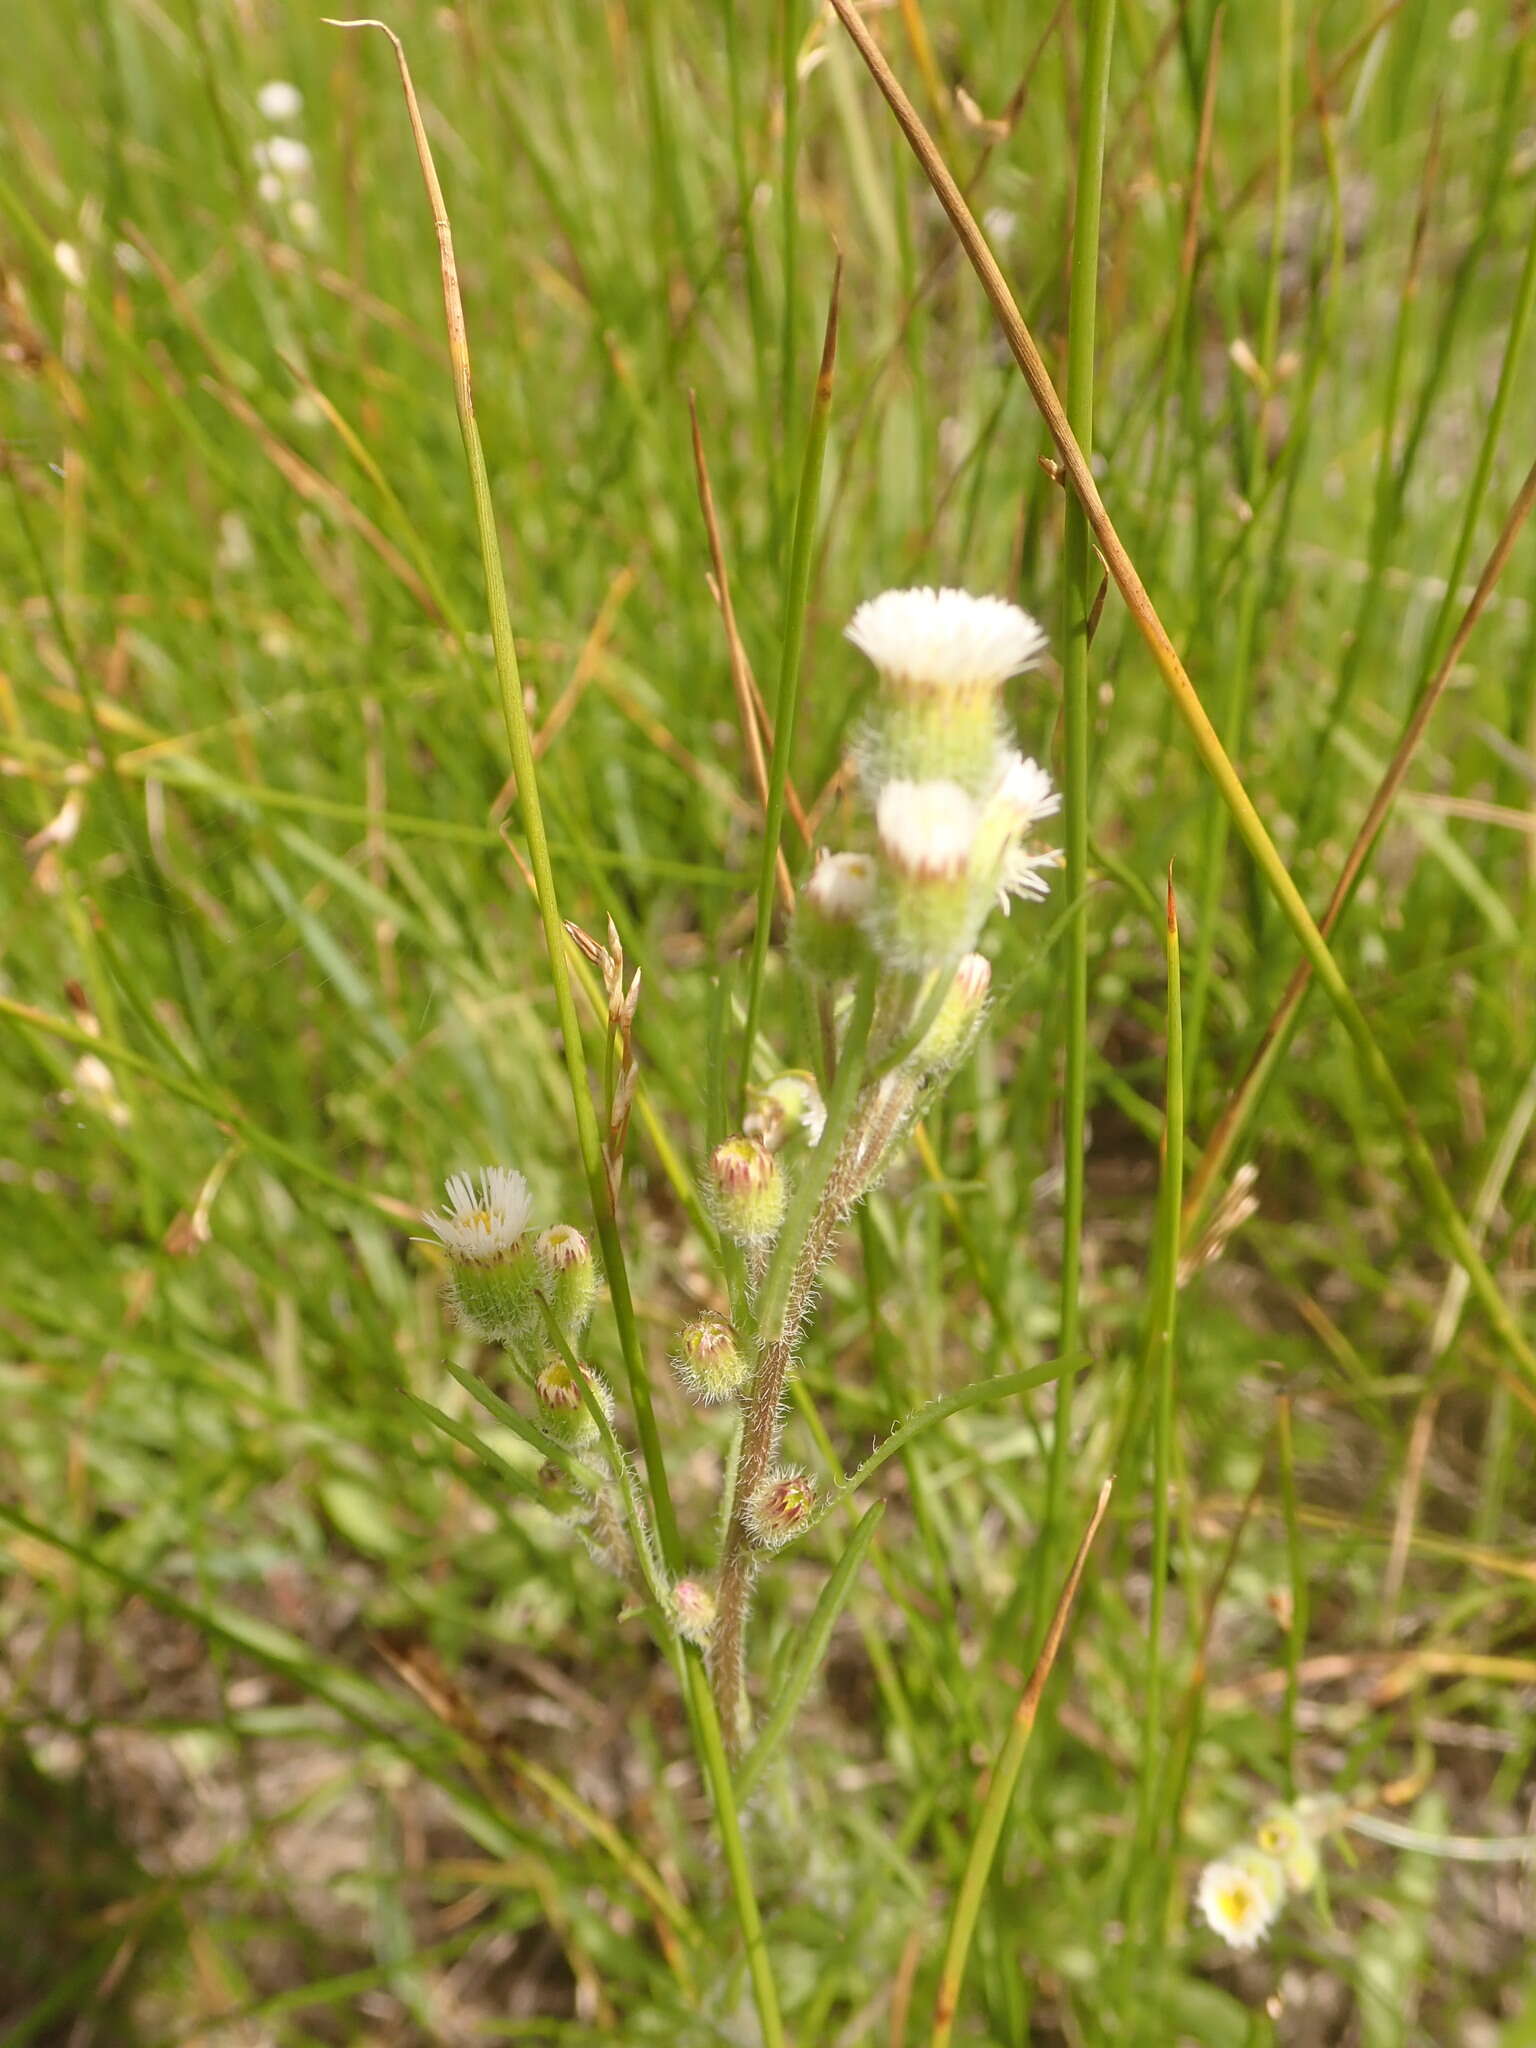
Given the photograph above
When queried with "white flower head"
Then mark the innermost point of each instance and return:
(283, 157)
(1239, 1895)
(277, 101)
(927, 829)
(945, 639)
(1027, 790)
(482, 1220)
(841, 886)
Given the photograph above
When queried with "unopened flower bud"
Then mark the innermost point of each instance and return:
(493, 1274)
(563, 1412)
(693, 1611)
(709, 1361)
(827, 933)
(953, 1031)
(943, 657)
(789, 1107)
(568, 1275)
(781, 1508)
(928, 909)
(747, 1190)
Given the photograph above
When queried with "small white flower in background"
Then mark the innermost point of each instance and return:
(945, 639)
(483, 1220)
(67, 261)
(304, 219)
(283, 157)
(129, 261)
(1239, 1895)
(278, 101)
(1284, 1836)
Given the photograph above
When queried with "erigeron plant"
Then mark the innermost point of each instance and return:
(885, 938)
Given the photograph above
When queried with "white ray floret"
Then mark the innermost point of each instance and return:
(927, 829)
(484, 1218)
(1024, 875)
(945, 639)
(1027, 790)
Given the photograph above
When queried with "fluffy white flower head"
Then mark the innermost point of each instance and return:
(278, 101)
(483, 1219)
(927, 829)
(1237, 1902)
(945, 639)
(1027, 791)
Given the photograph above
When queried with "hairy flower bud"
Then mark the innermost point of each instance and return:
(942, 657)
(953, 1031)
(693, 1611)
(563, 1412)
(709, 1361)
(827, 934)
(781, 1507)
(493, 1274)
(746, 1188)
(928, 908)
(788, 1107)
(568, 1275)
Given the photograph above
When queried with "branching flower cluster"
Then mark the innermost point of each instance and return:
(1240, 1893)
(884, 937)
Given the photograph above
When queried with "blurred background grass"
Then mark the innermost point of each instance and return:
(290, 1662)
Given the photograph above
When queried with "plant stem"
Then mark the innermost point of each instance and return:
(812, 1216)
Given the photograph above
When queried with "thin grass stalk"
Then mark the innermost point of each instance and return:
(1081, 581)
(994, 1812)
(1250, 1090)
(1437, 1197)
(796, 597)
(1160, 1364)
(1232, 711)
(520, 741)
(1296, 1627)
(520, 745)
